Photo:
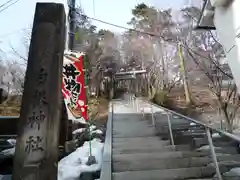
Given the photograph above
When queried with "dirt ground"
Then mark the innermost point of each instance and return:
(98, 108)
(9, 109)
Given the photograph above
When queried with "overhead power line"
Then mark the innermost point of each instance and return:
(123, 27)
(8, 4)
(14, 32)
(164, 38)
(156, 35)
(196, 53)
(5, 3)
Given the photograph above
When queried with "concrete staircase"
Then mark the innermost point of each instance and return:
(143, 152)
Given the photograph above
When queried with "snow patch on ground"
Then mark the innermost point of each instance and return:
(12, 141)
(233, 172)
(216, 135)
(9, 152)
(71, 167)
(76, 120)
(93, 129)
(5, 177)
(192, 124)
(97, 131)
(205, 147)
(79, 130)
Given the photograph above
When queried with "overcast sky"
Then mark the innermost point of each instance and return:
(16, 20)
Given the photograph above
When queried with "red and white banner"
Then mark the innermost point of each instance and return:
(73, 87)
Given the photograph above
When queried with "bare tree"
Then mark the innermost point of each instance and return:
(151, 52)
(205, 50)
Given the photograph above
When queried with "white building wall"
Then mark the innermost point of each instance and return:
(227, 23)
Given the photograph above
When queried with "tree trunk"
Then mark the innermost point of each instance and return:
(229, 122)
(185, 77)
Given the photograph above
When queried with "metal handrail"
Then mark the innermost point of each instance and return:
(214, 157)
(236, 138)
(134, 103)
(207, 128)
(170, 129)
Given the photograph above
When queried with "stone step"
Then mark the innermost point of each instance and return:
(173, 155)
(163, 115)
(202, 179)
(198, 142)
(180, 139)
(136, 128)
(146, 149)
(224, 178)
(132, 130)
(179, 132)
(136, 146)
(130, 121)
(160, 123)
(229, 178)
(120, 165)
(138, 139)
(166, 174)
(132, 126)
(223, 150)
(128, 117)
(222, 138)
(134, 134)
(181, 128)
(176, 133)
(137, 143)
(189, 133)
(156, 164)
(226, 157)
(226, 166)
(160, 155)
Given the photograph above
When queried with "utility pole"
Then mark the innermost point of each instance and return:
(185, 77)
(66, 124)
(72, 21)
